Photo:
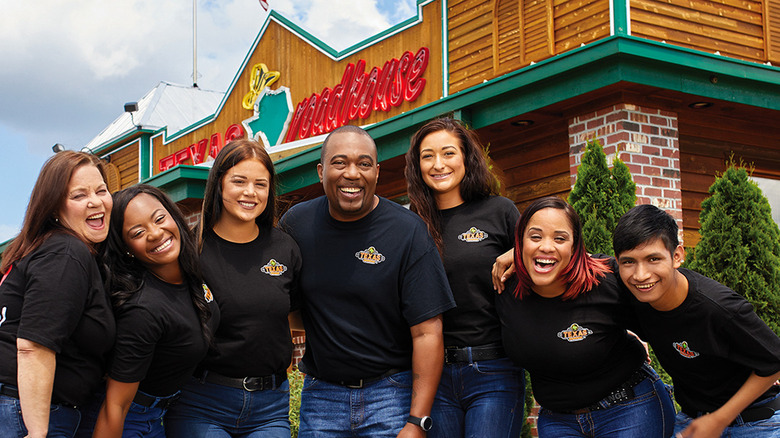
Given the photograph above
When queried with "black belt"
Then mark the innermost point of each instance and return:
(622, 393)
(361, 383)
(458, 355)
(247, 383)
(762, 412)
(12, 391)
(751, 414)
(149, 401)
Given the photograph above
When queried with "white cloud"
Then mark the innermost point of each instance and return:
(8, 232)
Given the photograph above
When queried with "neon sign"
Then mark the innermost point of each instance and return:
(258, 80)
(198, 152)
(359, 93)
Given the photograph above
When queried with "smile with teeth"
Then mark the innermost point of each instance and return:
(545, 262)
(95, 220)
(441, 175)
(350, 189)
(165, 245)
(246, 204)
(644, 286)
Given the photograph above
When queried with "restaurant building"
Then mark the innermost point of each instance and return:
(675, 87)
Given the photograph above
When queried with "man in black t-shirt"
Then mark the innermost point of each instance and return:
(723, 359)
(373, 290)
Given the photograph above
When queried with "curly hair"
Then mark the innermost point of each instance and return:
(478, 183)
(125, 274)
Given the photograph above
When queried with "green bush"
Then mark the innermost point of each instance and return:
(740, 243)
(601, 196)
(295, 378)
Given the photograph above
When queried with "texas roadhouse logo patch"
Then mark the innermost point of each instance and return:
(575, 333)
(684, 350)
(207, 295)
(473, 235)
(370, 256)
(273, 268)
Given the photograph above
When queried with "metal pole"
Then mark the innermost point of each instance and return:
(195, 43)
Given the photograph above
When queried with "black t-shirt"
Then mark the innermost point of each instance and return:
(709, 344)
(54, 296)
(474, 234)
(576, 351)
(363, 284)
(255, 285)
(159, 340)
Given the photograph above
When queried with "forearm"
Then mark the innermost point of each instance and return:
(753, 387)
(427, 363)
(111, 419)
(35, 377)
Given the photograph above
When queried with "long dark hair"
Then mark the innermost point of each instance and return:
(233, 153)
(125, 274)
(478, 183)
(46, 200)
(583, 271)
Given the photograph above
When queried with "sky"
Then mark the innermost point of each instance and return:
(68, 67)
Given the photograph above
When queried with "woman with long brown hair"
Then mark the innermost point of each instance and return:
(454, 192)
(240, 388)
(56, 324)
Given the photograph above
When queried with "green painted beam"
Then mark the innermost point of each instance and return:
(181, 182)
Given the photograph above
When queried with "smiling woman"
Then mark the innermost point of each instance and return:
(165, 313)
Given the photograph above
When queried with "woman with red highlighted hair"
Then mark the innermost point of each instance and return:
(564, 324)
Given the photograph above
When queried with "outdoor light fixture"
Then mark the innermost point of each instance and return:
(86, 150)
(58, 148)
(131, 107)
(522, 123)
(700, 105)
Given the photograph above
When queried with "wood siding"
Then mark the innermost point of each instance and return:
(734, 28)
(126, 162)
(772, 26)
(532, 165)
(706, 144)
(489, 38)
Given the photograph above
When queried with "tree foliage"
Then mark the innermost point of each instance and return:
(601, 196)
(740, 243)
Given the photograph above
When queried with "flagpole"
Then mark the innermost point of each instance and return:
(195, 43)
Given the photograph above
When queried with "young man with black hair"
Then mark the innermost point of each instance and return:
(724, 360)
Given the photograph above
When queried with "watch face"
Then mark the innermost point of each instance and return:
(426, 423)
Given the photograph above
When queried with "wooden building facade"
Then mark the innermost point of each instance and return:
(675, 87)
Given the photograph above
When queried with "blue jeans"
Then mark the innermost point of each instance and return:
(140, 421)
(63, 420)
(207, 410)
(649, 414)
(479, 399)
(379, 409)
(769, 428)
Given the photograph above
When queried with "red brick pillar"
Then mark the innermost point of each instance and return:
(646, 140)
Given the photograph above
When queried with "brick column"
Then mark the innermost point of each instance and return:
(647, 141)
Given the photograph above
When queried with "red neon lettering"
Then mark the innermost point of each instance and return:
(216, 145)
(199, 151)
(414, 80)
(233, 132)
(167, 162)
(359, 93)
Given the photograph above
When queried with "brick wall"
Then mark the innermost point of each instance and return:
(646, 139)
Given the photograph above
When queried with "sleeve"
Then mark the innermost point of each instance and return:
(55, 296)
(512, 216)
(138, 332)
(750, 341)
(425, 290)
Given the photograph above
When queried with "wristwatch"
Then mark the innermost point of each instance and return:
(425, 423)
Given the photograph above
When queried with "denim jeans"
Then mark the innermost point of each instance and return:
(140, 421)
(63, 420)
(207, 410)
(480, 399)
(769, 428)
(650, 414)
(379, 409)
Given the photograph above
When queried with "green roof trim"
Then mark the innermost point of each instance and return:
(181, 182)
(602, 63)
